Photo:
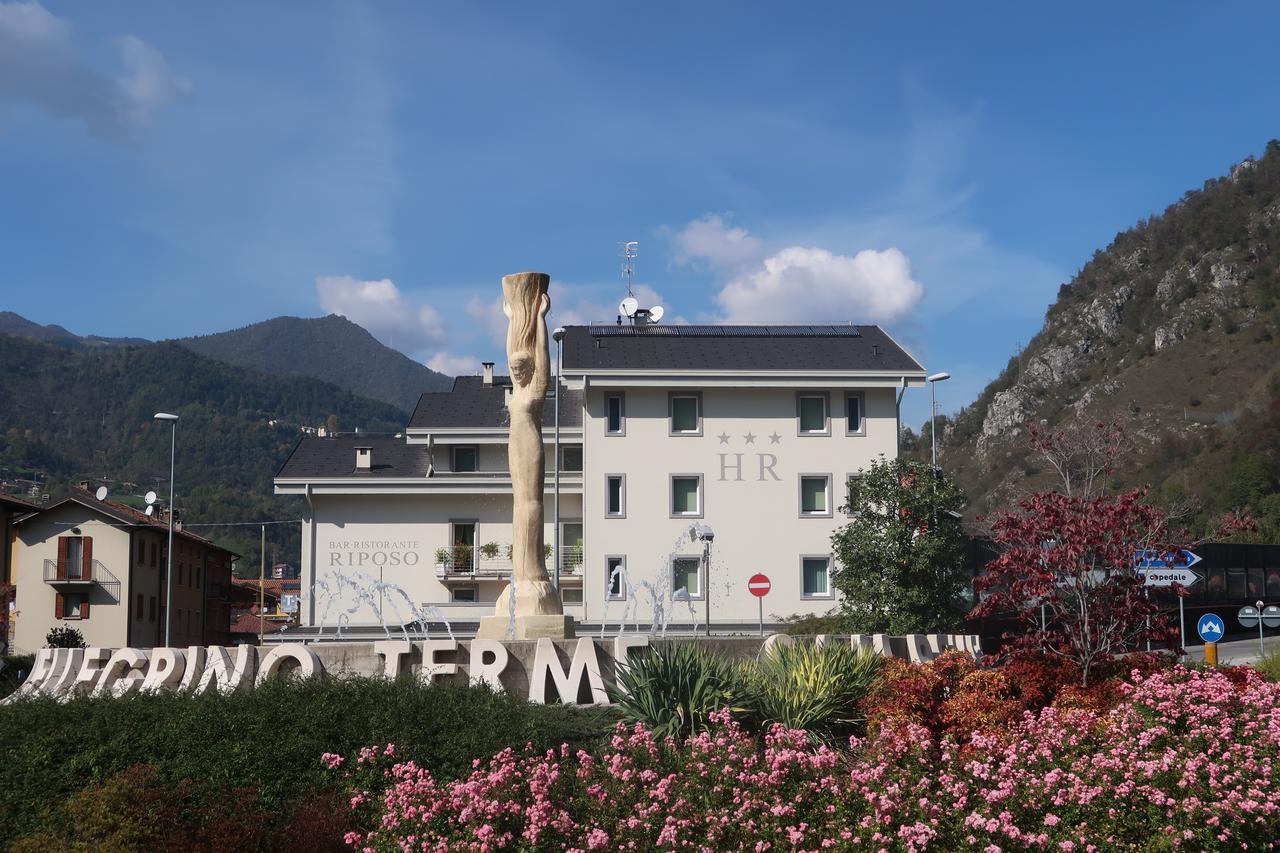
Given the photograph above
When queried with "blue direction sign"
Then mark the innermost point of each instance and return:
(1150, 559)
(1210, 628)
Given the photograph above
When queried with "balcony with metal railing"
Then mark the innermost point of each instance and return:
(73, 576)
(469, 562)
(571, 563)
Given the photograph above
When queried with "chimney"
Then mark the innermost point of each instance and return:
(84, 485)
(488, 372)
(364, 458)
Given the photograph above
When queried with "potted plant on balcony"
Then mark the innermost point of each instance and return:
(442, 556)
(462, 558)
(489, 550)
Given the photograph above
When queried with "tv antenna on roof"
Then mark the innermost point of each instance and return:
(630, 250)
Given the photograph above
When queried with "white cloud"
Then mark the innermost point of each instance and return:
(797, 283)
(383, 310)
(39, 64)
(710, 239)
(804, 283)
(454, 365)
(150, 85)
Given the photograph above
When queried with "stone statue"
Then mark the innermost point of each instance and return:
(538, 611)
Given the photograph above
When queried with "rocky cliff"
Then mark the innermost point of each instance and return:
(1172, 329)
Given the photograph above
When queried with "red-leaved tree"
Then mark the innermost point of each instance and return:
(1066, 569)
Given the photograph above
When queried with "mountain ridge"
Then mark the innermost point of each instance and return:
(332, 349)
(70, 415)
(307, 346)
(1170, 329)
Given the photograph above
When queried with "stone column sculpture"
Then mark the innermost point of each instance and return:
(537, 611)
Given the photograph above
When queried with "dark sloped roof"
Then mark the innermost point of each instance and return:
(336, 457)
(472, 404)
(15, 504)
(128, 516)
(712, 348)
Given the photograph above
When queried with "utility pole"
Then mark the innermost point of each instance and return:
(262, 582)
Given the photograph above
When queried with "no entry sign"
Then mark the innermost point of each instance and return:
(759, 585)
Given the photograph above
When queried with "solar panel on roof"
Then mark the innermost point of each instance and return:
(738, 331)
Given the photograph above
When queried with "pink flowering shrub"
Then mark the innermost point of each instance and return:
(1187, 760)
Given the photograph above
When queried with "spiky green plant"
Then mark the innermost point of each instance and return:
(1269, 666)
(673, 689)
(813, 687)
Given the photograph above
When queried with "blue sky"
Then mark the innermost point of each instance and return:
(169, 170)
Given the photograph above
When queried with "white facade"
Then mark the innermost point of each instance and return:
(760, 457)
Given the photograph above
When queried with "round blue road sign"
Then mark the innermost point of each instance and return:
(1210, 628)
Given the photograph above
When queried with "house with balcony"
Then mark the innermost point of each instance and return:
(748, 433)
(99, 566)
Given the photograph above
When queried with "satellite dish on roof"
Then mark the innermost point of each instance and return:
(101, 494)
(151, 497)
(149, 510)
(628, 306)
(655, 313)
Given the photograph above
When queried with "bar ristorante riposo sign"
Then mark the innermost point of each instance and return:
(372, 553)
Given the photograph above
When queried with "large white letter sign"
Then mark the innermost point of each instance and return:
(546, 662)
(488, 673)
(219, 671)
(123, 673)
(90, 669)
(40, 670)
(306, 662)
(165, 672)
(432, 669)
(393, 653)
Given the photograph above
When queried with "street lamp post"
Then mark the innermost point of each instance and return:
(933, 414)
(707, 535)
(168, 571)
(558, 336)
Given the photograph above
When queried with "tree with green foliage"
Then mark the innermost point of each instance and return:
(901, 558)
(64, 637)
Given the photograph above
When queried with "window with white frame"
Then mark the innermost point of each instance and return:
(615, 495)
(686, 414)
(815, 494)
(468, 594)
(466, 458)
(686, 495)
(615, 414)
(811, 411)
(615, 577)
(686, 574)
(853, 414)
(815, 577)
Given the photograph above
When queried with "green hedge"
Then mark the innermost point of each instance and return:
(269, 738)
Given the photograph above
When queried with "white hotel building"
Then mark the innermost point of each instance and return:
(750, 430)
